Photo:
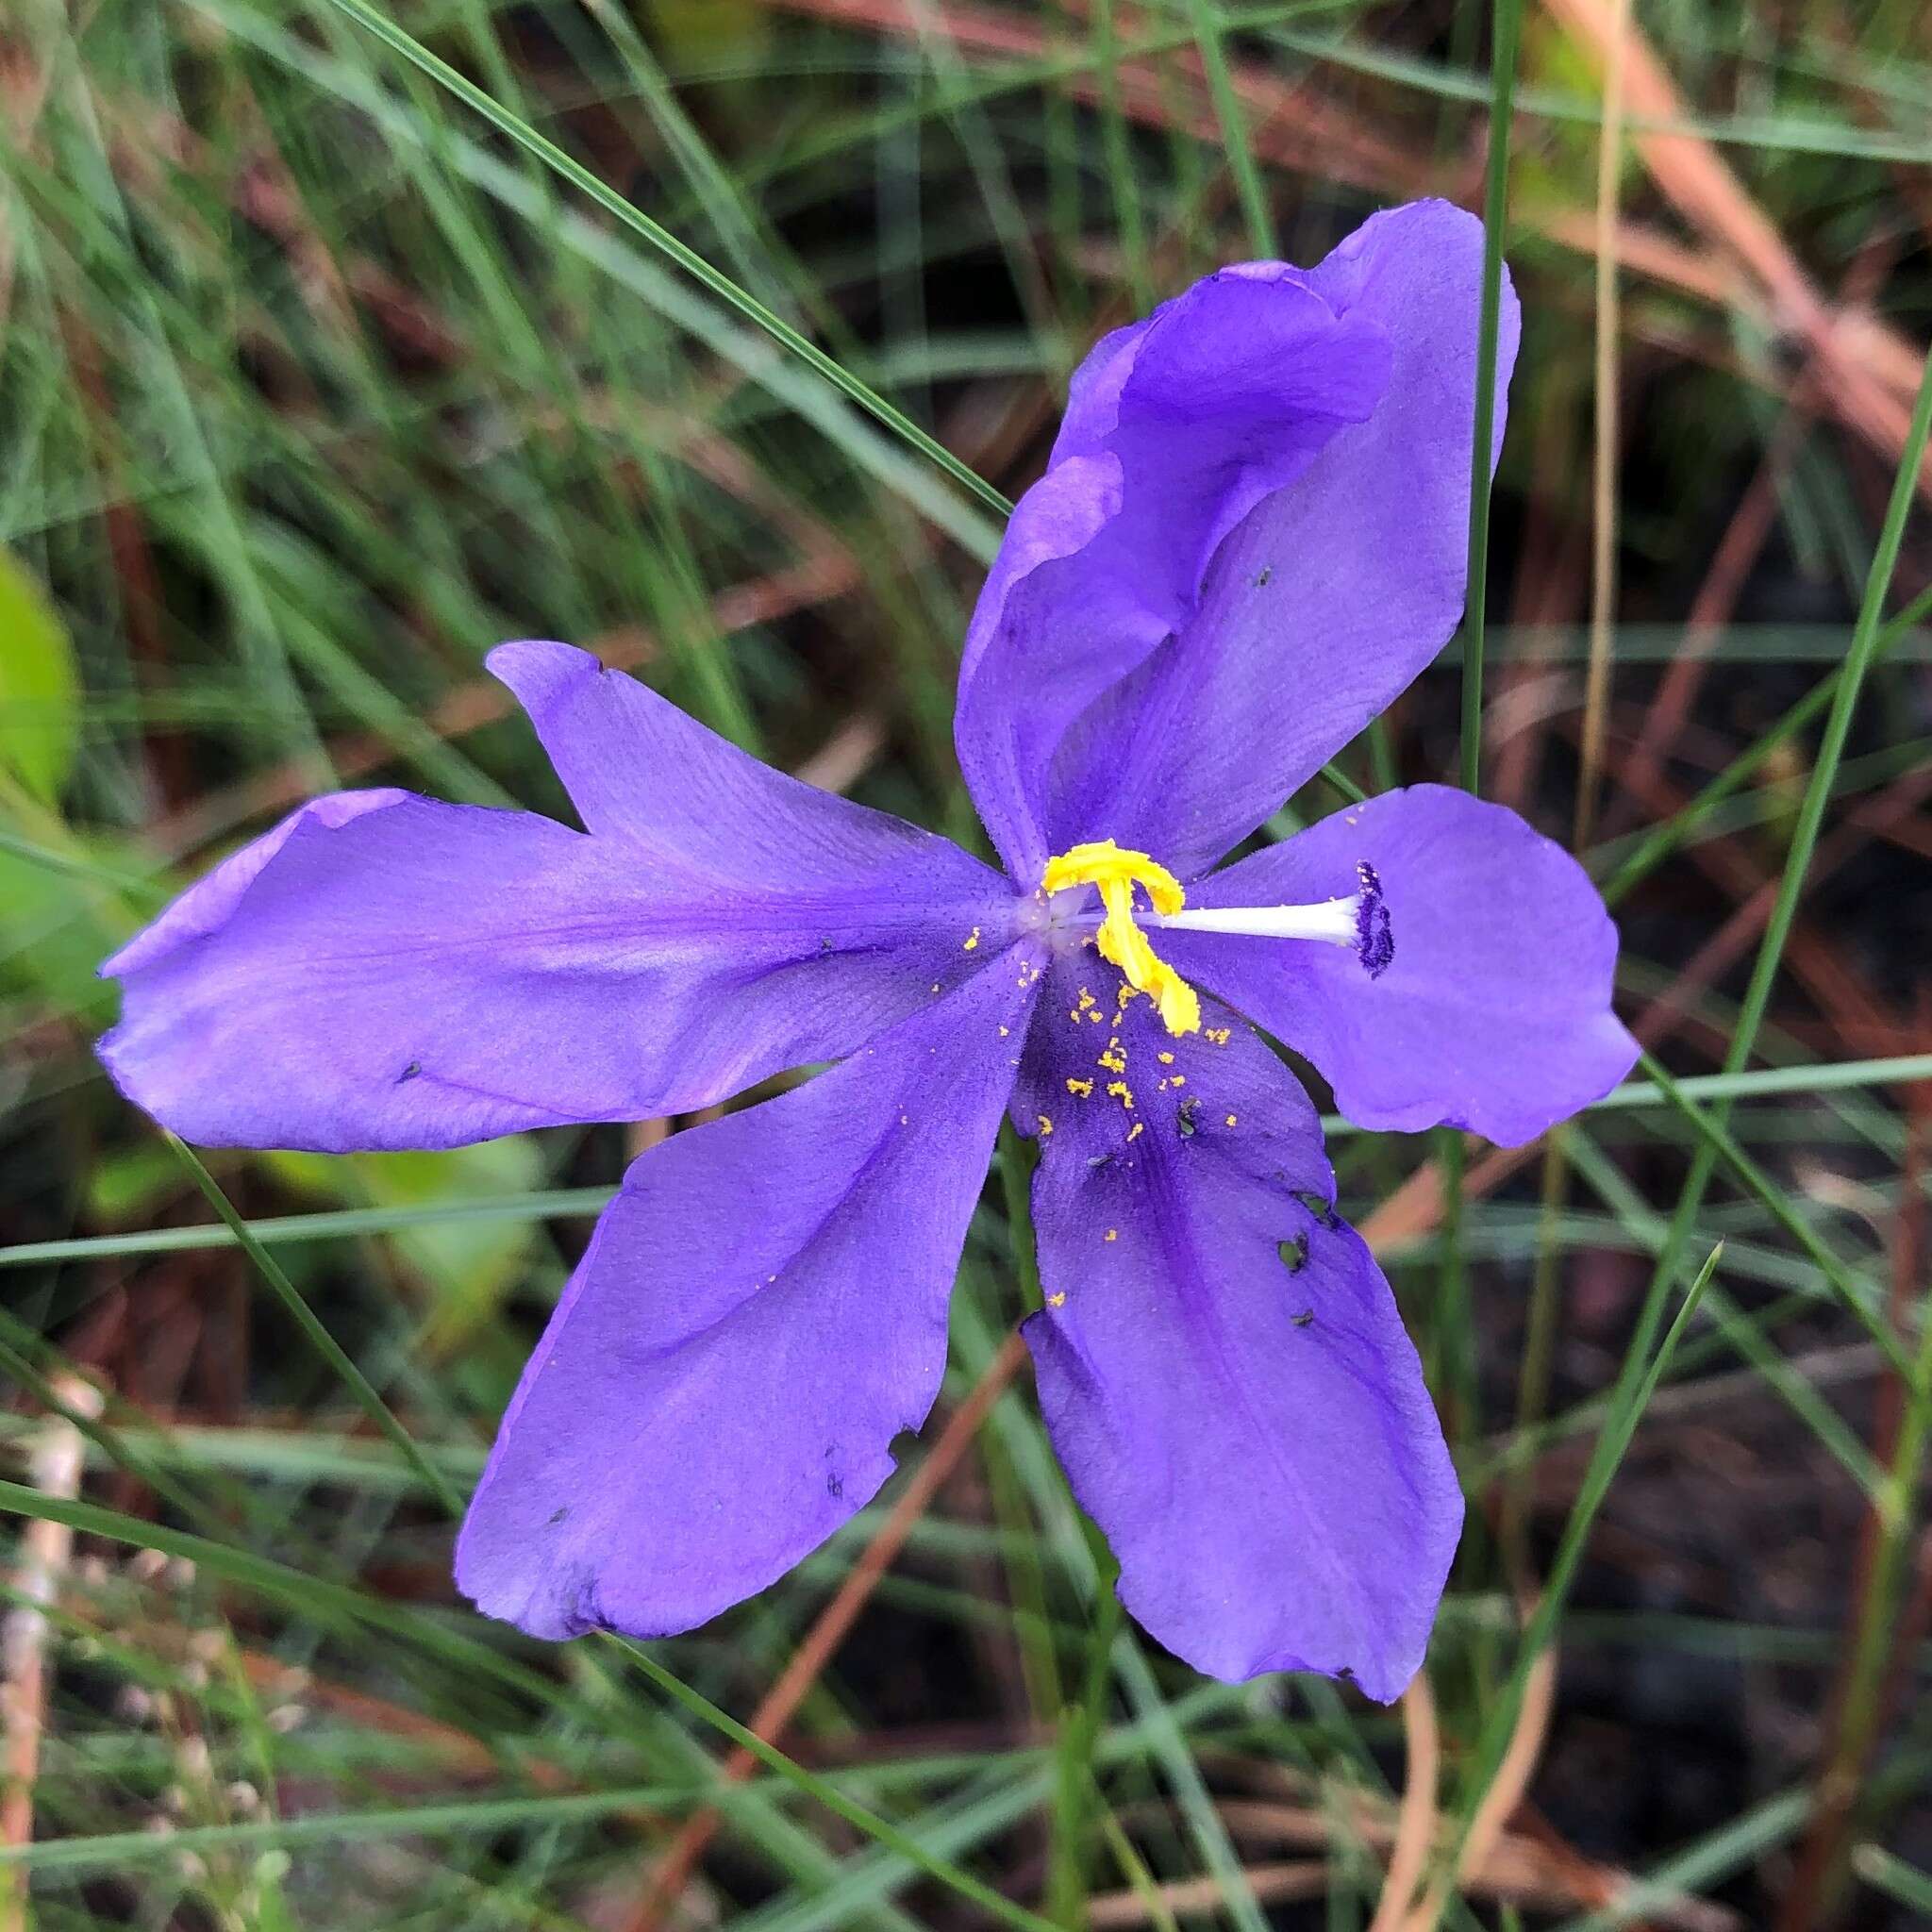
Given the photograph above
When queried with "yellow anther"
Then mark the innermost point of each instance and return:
(1102, 861)
(1116, 873)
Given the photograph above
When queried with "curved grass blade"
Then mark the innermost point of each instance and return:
(325, 1344)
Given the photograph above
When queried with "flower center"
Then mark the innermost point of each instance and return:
(1360, 922)
(1116, 873)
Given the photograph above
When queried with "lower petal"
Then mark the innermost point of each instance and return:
(1494, 1013)
(1222, 1365)
(762, 1310)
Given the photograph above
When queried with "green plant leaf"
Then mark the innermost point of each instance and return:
(40, 690)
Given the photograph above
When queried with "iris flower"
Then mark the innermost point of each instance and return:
(1250, 536)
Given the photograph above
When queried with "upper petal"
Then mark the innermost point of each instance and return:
(1337, 588)
(1494, 1013)
(385, 971)
(762, 1310)
(1176, 428)
(1220, 1362)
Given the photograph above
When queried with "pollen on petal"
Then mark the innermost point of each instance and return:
(1081, 1089)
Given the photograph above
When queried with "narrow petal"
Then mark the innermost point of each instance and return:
(1177, 427)
(1337, 588)
(1495, 1012)
(385, 971)
(760, 1312)
(1220, 1362)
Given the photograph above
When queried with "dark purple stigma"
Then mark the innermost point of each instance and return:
(1374, 944)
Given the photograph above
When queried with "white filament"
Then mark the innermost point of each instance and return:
(1332, 921)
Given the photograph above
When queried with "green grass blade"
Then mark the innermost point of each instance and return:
(1507, 16)
(660, 237)
(325, 1344)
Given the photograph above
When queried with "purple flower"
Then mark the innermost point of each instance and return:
(1249, 538)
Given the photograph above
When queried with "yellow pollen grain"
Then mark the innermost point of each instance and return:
(1134, 1132)
(1114, 1060)
(1230, 1120)
(972, 940)
(1176, 1080)
(1083, 1089)
(1121, 1091)
(1004, 1032)
(1058, 1300)
(1086, 999)
(1218, 1035)
(1113, 1234)
(1045, 1126)
(1166, 1059)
